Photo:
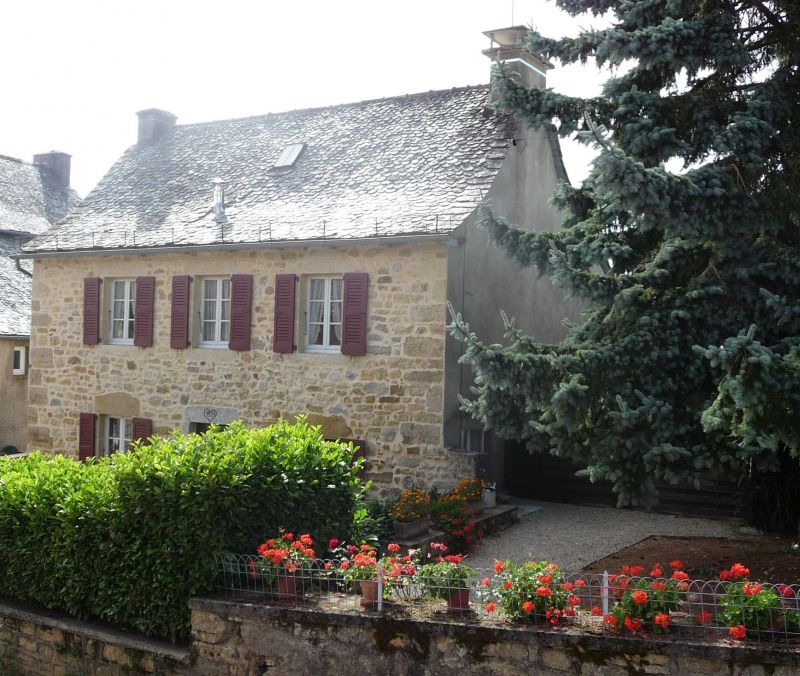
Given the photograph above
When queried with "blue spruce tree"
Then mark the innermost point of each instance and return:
(688, 363)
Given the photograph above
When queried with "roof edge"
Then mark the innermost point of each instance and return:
(234, 246)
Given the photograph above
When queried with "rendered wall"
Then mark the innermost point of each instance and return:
(391, 397)
(482, 280)
(13, 399)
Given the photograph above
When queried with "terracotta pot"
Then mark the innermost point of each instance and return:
(458, 601)
(404, 530)
(287, 587)
(369, 594)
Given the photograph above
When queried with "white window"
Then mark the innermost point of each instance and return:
(117, 435)
(324, 314)
(215, 312)
(18, 364)
(472, 440)
(123, 300)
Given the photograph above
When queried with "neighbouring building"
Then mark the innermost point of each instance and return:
(296, 263)
(33, 196)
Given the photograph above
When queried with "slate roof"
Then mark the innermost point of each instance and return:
(27, 202)
(15, 291)
(396, 166)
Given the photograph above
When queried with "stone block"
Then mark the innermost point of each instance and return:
(556, 660)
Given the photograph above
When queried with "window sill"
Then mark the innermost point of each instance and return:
(119, 342)
(322, 350)
(213, 346)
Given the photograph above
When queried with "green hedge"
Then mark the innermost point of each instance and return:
(131, 537)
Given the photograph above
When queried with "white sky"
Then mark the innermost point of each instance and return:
(75, 72)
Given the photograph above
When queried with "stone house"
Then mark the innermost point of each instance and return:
(33, 196)
(292, 264)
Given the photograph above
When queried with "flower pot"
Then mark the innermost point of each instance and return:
(287, 587)
(369, 594)
(405, 530)
(489, 498)
(458, 602)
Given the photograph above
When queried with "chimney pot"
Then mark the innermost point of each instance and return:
(54, 168)
(508, 45)
(154, 123)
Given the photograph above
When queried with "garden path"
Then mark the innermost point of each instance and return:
(574, 535)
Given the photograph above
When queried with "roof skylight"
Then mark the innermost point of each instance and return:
(289, 155)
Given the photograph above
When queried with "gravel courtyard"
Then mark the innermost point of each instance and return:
(574, 536)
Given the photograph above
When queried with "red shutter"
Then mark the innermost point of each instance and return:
(179, 324)
(86, 432)
(241, 302)
(142, 429)
(354, 313)
(143, 317)
(91, 310)
(283, 330)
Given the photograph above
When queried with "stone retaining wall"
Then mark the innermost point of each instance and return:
(51, 644)
(242, 639)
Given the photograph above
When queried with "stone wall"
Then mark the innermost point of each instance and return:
(392, 397)
(34, 642)
(13, 398)
(237, 639)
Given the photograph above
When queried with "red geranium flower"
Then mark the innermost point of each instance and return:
(662, 620)
(658, 586)
(596, 611)
(640, 597)
(738, 632)
(657, 571)
(333, 543)
(393, 547)
(499, 567)
(490, 607)
(508, 584)
(528, 607)
(610, 621)
(703, 617)
(677, 563)
(680, 575)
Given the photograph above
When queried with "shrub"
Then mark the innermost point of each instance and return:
(130, 538)
(646, 603)
(444, 576)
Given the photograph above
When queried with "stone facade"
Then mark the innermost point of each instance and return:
(13, 398)
(392, 397)
(238, 639)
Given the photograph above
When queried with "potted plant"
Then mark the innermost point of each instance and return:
(470, 491)
(281, 558)
(410, 514)
(534, 592)
(362, 568)
(446, 578)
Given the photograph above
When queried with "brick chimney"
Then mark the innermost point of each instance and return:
(508, 46)
(154, 124)
(54, 168)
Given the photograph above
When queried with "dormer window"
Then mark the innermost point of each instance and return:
(289, 155)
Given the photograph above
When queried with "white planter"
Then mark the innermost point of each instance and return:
(489, 498)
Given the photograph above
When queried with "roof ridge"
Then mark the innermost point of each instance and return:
(354, 104)
(15, 159)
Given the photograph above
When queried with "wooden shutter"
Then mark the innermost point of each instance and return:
(86, 435)
(91, 310)
(179, 322)
(354, 313)
(142, 429)
(241, 303)
(143, 317)
(283, 329)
